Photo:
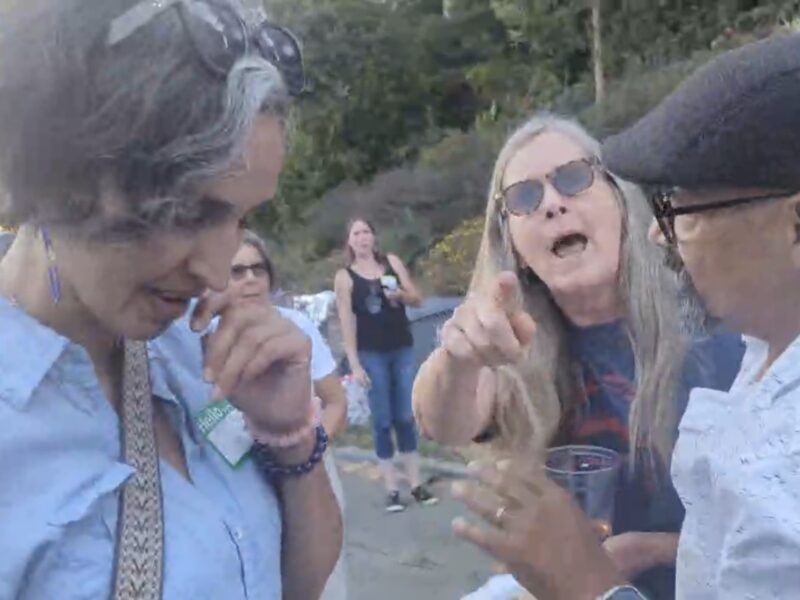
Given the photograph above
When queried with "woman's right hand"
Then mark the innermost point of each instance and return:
(492, 329)
(360, 375)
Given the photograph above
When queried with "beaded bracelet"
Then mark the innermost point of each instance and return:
(265, 458)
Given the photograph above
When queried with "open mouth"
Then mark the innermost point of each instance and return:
(569, 245)
(170, 305)
(173, 298)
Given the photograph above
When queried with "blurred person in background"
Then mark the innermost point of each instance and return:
(252, 280)
(562, 339)
(372, 293)
(135, 138)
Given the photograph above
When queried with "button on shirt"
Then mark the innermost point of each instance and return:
(737, 469)
(61, 475)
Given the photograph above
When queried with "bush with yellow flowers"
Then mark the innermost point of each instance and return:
(447, 268)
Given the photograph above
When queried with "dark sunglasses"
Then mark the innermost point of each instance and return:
(570, 179)
(259, 270)
(665, 212)
(220, 36)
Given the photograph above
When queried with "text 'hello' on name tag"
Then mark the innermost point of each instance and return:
(223, 426)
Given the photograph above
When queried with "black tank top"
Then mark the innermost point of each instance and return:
(380, 325)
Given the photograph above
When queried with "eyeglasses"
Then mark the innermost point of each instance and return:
(665, 212)
(259, 270)
(570, 179)
(220, 36)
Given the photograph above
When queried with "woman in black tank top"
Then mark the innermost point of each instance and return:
(371, 296)
(381, 324)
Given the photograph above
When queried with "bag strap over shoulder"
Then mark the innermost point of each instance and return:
(139, 564)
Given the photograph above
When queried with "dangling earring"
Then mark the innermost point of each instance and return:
(52, 270)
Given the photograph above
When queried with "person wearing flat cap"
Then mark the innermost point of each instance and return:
(722, 154)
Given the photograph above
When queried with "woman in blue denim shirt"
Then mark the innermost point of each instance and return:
(135, 137)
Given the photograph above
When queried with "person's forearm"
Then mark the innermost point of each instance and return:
(349, 341)
(410, 299)
(446, 400)
(334, 419)
(663, 548)
(334, 403)
(312, 528)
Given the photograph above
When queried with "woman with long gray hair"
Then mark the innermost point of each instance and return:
(570, 334)
(135, 137)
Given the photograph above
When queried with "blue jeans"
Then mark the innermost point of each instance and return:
(392, 375)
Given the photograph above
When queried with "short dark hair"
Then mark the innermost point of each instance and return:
(142, 119)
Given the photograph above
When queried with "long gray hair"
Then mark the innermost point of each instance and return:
(548, 383)
(142, 121)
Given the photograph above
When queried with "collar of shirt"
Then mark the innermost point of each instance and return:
(33, 350)
(39, 350)
(781, 377)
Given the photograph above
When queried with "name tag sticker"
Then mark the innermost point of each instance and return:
(223, 426)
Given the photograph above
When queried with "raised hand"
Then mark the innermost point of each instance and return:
(534, 528)
(492, 329)
(258, 360)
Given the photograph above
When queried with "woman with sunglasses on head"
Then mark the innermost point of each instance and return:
(569, 335)
(372, 293)
(135, 137)
(252, 279)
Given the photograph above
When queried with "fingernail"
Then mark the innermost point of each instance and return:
(503, 465)
(208, 375)
(217, 394)
(458, 489)
(459, 524)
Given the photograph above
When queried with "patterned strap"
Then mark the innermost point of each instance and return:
(140, 532)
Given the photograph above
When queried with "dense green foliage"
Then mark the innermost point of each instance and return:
(409, 100)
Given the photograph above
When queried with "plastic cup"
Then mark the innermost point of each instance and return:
(589, 474)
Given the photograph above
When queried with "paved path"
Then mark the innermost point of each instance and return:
(406, 556)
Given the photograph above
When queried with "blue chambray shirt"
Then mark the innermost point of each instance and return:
(61, 475)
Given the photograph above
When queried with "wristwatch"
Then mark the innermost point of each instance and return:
(623, 592)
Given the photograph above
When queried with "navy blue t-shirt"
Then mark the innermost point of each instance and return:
(646, 501)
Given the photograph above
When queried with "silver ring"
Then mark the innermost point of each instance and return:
(498, 516)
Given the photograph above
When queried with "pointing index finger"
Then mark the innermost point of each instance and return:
(507, 295)
(506, 292)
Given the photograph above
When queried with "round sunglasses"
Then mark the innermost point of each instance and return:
(259, 270)
(220, 36)
(570, 179)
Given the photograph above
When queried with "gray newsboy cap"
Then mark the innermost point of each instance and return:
(734, 123)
